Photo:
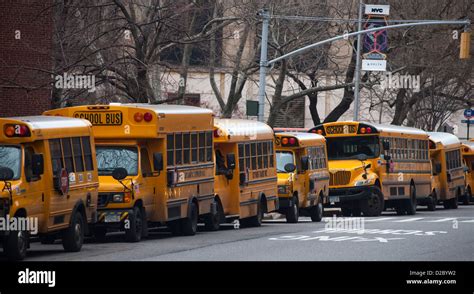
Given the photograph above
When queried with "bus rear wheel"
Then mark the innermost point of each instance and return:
(73, 237)
(431, 202)
(189, 224)
(292, 213)
(256, 221)
(374, 204)
(454, 202)
(410, 204)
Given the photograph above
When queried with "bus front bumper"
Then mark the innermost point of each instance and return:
(338, 196)
(113, 217)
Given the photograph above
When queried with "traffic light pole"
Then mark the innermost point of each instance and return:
(264, 64)
(357, 69)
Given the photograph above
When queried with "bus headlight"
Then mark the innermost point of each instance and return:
(363, 182)
(283, 189)
(121, 198)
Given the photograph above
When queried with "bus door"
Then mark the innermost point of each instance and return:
(224, 176)
(145, 188)
(33, 188)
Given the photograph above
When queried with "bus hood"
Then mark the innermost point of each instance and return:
(284, 179)
(346, 165)
(109, 184)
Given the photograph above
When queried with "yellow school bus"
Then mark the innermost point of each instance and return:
(374, 166)
(448, 171)
(155, 166)
(246, 177)
(468, 159)
(49, 178)
(303, 176)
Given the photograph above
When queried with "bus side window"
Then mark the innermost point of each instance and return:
(145, 163)
(30, 177)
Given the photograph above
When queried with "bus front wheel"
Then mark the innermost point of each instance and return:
(212, 221)
(16, 244)
(374, 204)
(316, 212)
(292, 213)
(134, 232)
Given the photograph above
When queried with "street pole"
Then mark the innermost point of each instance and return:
(263, 63)
(357, 67)
(468, 123)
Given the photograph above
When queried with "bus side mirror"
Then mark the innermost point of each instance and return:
(230, 157)
(37, 164)
(290, 167)
(386, 145)
(304, 163)
(158, 161)
(119, 173)
(6, 174)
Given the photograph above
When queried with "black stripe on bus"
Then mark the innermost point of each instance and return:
(205, 197)
(180, 168)
(206, 180)
(262, 180)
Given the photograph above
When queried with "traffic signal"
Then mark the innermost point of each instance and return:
(465, 45)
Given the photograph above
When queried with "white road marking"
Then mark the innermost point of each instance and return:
(442, 220)
(414, 219)
(378, 219)
(467, 221)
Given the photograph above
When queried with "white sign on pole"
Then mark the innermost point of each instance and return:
(374, 65)
(377, 9)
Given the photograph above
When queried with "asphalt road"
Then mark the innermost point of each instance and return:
(442, 235)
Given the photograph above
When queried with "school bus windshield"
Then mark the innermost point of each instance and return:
(283, 158)
(10, 156)
(342, 148)
(112, 157)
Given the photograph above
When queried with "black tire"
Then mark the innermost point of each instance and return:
(16, 245)
(447, 204)
(100, 233)
(316, 212)
(410, 204)
(468, 196)
(73, 237)
(400, 209)
(346, 211)
(175, 227)
(431, 203)
(256, 221)
(134, 233)
(292, 213)
(212, 222)
(374, 204)
(189, 224)
(47, 239)
(356, 211)
(454, 202)
(465, 199)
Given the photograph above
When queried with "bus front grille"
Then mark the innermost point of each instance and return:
(339, 178)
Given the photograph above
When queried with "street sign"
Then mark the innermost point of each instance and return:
(374, 65)
(465, 121)
(377, 9)
(468, 113)
(252, 108)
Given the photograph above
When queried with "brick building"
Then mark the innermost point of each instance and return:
(25, 56)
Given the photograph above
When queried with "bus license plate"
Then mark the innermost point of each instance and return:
(334, 199)
(112, 218)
